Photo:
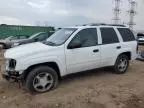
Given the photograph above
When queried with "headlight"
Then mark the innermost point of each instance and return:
(10, 63)
(15, 44)
(6, 62)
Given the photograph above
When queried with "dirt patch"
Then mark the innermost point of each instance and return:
(93, 89)
(134, 102)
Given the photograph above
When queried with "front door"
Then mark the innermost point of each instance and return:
(83, 52)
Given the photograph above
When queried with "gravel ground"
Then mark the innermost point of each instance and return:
(92, 89)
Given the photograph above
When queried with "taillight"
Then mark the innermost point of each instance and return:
(137, 47)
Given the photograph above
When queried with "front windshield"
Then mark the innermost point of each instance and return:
(34, 35)
(60, 36)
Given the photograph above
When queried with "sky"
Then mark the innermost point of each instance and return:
(61, 13)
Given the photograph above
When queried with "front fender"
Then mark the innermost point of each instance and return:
(24, 64)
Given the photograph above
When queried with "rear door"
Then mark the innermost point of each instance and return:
(110, 46)
(129, 41)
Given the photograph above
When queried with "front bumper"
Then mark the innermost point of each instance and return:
(8, 73)
(12, 75)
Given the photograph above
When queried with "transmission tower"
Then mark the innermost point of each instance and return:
(116, 9)
(37, 23)
(132, 13)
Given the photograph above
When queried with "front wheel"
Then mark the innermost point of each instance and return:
(122, 64)
(41, 79)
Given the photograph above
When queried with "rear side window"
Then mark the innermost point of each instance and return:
(126, 34)
(109, 36)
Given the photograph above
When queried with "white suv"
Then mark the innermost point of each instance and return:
(70, 50)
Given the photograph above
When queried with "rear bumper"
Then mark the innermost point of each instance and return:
(140, 56)
(140, 42)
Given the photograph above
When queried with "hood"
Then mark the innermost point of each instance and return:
(4, 41)
(26, 50)
(12, 41)
(20, 40)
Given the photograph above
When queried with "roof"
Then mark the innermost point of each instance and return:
(98, 25)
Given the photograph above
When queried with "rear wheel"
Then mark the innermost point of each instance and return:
(41, 79)
(122, 64)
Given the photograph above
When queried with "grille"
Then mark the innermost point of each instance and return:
(9, 64)
(12, 63)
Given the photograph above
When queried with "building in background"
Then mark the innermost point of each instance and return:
(14, 30)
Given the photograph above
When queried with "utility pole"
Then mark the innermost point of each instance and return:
(116, 10)
(132, 13)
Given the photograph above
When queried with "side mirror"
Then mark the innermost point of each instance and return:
(73, 46)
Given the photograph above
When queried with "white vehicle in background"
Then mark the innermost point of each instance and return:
(70, 50)
(7, 42)
(140, 38)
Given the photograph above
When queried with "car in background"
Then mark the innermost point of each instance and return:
(40, 36)
(6, 43)
(140, 38)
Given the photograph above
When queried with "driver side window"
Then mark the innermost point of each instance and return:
(85, 38)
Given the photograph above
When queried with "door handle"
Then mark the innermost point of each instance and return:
(118, 47)
(96, 50)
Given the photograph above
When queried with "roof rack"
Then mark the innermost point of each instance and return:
(103, 24)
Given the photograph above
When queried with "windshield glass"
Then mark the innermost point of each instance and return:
(33, 36)
(60, 36)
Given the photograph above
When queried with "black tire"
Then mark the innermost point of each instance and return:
(116, 66)
(36, 71)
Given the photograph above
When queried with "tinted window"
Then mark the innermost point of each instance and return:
(86, 37)
(108, 36)
(22, 37)
(126, 34)
(14, 38)
(41, 36)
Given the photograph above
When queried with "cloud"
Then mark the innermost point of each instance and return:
(63, 12)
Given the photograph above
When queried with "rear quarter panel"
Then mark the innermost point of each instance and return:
(130, 46)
